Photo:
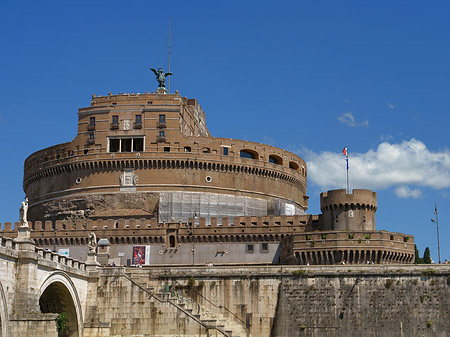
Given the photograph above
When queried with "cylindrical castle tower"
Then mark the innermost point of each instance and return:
(342, 211)
(152, 156)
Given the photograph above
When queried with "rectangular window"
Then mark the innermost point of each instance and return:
(125, 145)
(133, 144)
(162, 133)
(166, 149)
(114, 145)
(162, 119)
(115, 120)
(92, 121)
(225, 151)
(250, 249)
(138, 119)
(264, 247)
(187, 149)
(91, 137)
(138, 144)
(138, 122)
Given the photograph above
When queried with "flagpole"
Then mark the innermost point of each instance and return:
(346, 157)
(345, 152)
(170, 41)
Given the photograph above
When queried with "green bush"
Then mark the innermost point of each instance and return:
(191, 282)
(61, 321)
(389, 283)
(429, 323)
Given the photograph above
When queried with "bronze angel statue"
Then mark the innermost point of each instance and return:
(161, 77)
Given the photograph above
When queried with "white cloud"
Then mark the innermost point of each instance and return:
(408, 164)
(347, 118)
(406, 192)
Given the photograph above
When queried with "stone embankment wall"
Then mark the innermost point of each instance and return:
(373, 301)
(273, 301)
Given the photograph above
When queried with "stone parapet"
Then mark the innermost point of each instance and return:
(347, 247)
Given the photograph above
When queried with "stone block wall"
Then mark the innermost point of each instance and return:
(365, 302)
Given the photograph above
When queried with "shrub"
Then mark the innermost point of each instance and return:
(367, 236)
(61, 321)
(429, 323)
(389, 283)
(191, 282)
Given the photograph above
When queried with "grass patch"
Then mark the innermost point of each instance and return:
(428, 272)
(300, 273)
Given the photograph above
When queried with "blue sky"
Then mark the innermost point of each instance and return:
(307, 76)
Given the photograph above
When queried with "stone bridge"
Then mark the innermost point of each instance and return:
(34, 285)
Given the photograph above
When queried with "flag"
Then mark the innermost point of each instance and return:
(345, 152)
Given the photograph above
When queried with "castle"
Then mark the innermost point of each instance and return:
(146, 176)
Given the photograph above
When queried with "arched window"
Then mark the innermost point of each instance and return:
(275, 159)
(172, 242)
(293, 165)
(250, 154)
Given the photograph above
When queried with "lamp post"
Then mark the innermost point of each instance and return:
(191, 226)
(435, 220)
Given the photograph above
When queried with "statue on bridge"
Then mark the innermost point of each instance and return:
(23, 213)
(92, 242)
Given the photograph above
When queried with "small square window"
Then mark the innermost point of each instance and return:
(162, 133)
(166, 149)
(264, 247)
(250, 249)
(187, 149)
(91, 137)
(162, 119)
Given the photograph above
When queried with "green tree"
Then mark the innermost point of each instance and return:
(417, 258)
(416, 255)
(426, 256)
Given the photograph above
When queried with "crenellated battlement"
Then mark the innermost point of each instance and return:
(359, 198)
(301, 221)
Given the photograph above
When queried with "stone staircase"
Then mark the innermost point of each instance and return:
(214, 318)
(214, 321)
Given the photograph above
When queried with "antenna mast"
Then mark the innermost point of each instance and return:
(170, 39)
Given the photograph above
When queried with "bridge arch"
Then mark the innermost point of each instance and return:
(58, 294)
(4, 320)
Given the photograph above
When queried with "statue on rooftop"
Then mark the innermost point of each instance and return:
(23, 213)
(161, 77)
